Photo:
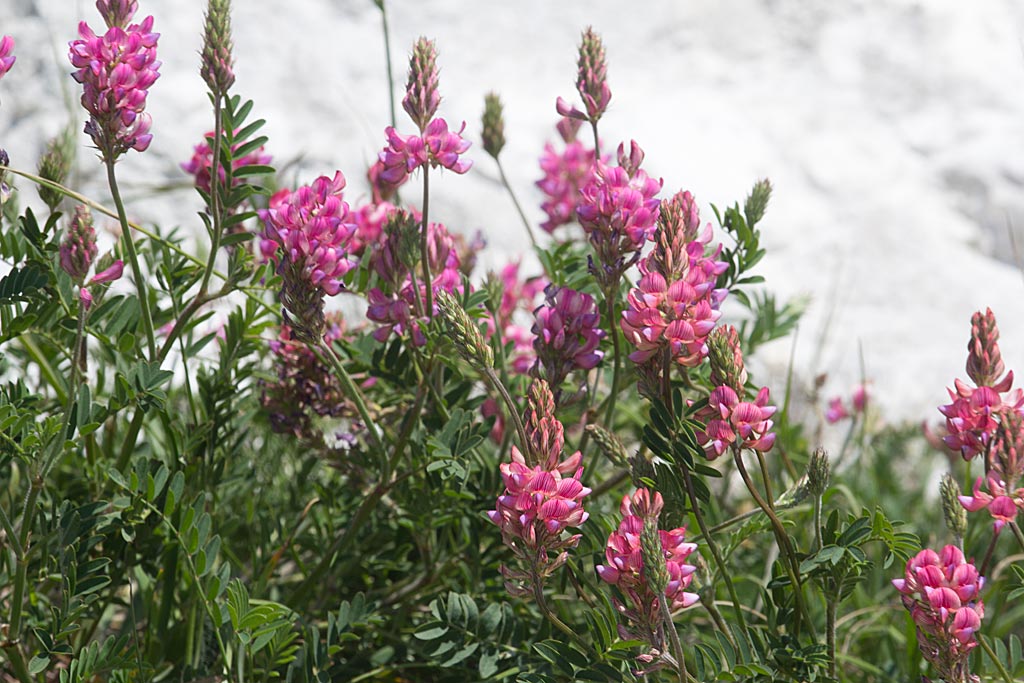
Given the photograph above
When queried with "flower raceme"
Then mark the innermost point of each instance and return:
(565, 174)
(941, 591)
(306, 233)
(437, 146)
(732, 422)
(568, 334)
(116, 70)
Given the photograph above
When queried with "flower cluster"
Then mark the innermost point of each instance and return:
(941, 591)
(838, 410)
(305, 386)
(435, 145)
(974, 414)
(201, 163)
(116, 70)
(1004, 497)
(78, 249)
(6, 58)
(306, 233)
(675, 304)
(618, 209)
(541, 500)
(398, 303)
(566, 173)
(568, 332)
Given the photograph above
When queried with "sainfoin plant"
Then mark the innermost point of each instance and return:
(331, 449)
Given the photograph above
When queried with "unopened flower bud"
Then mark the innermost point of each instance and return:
(117, 12)
(726, 359)
(818, 472)
(984, 361)
(421, 96)
(952, 510)
(653, 556)
(611, 447)
(54, 165)
(592, 77)
(640, 468)
(494, 125)
(757, 202)
(78, 249)
(217, 63)
(464, 334)
(568, 127)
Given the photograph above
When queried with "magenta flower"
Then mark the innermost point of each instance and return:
(110, 274)
(618, 210)
(730, 422)
(436, 147)
(1001, 503)
(539, 503)
(591, 81)
(202, 161)
(116, 70)
(117, 12)
(971, 419)
(837, 409)
(568, 334)
(941, 591)
(625, 568)
(566, 173)
(6, 58)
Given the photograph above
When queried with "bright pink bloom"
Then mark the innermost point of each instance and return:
(731, 421)
(309, 228)
(836, 411)
(116, 70)
(114, 272)
(971, 419)
(202, 161)
(941, 591)
(539, 503)
(6, 58)
(566, 173)
(437, 147)
(1002, 503)
(568, 334)
(618, 209)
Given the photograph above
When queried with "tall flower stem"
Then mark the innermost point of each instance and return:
(353, 393)
(613, 331)
(515, 202)
(428, 280)
(830, 634)
(133, 257)
(513, 410)
(673, 637)
(716, 553)
(782, 538)
(1003, 673)
(387, 60)
(538, 596)
(215, 207)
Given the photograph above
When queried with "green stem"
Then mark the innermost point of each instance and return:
(538, 596)
(782, 538)
(715, 552)
(387, 59)
(1017, 534)
(355, 394)
(133, 257)
(1003, 673)
(428, 281)
(215, 208)
(673, 636)
(613, 330)
(513, 411)
(17, 662)
(515, 202)
(45, 369)
(830, 634)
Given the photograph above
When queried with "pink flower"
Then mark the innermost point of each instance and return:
(941, 590)
(565, 174)
(308, 228)
(202, 161)
(971, 417)
(618, 209)
(568, 333)
(539, 503)
(730, 421)
(591, 81)
(6, 58)
(116, 70)
(117, 12)
(836, 411)
(437, 147)
(114, 272)
(1002, 504)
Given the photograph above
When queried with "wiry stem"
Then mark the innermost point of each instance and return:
(515, 201)
(353, 393)
(673, 637)
(133, 257)
(428, 281)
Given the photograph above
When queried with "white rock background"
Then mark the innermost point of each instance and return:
(892, 131)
